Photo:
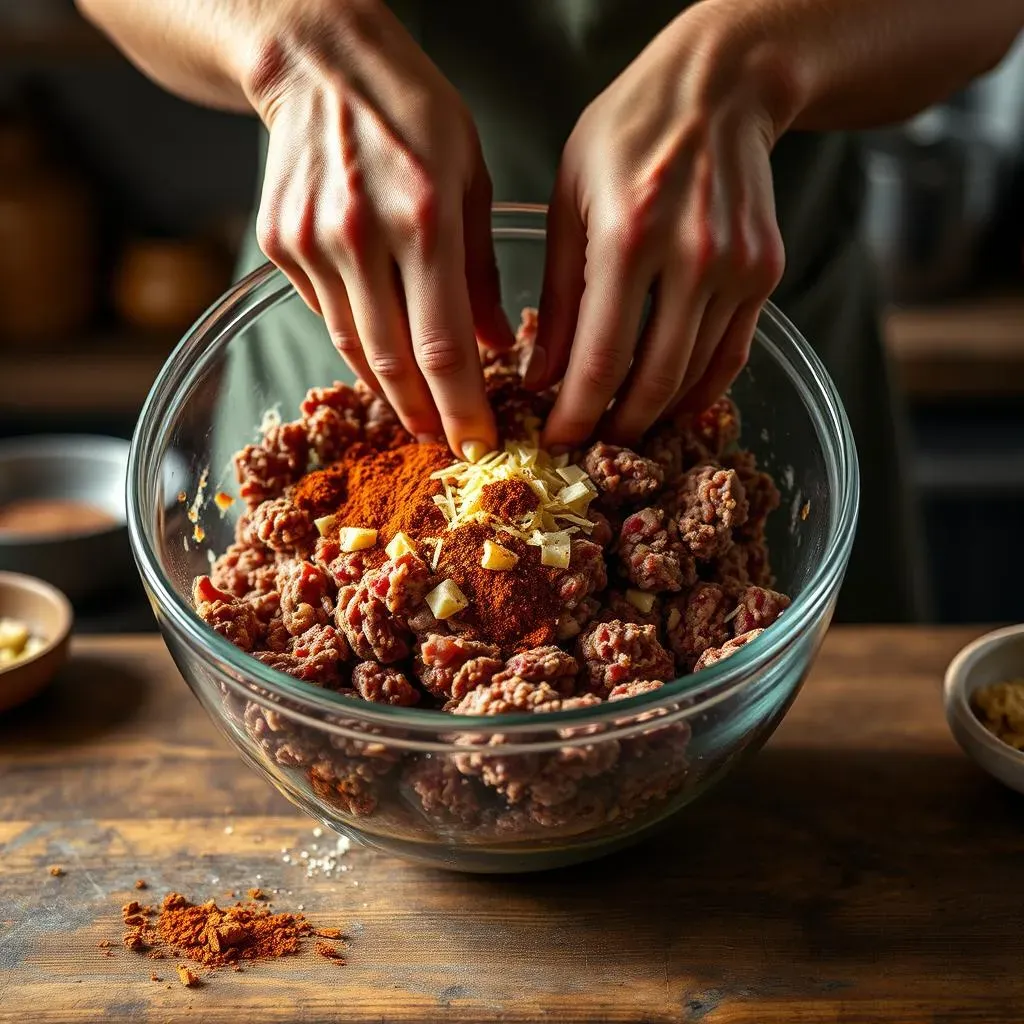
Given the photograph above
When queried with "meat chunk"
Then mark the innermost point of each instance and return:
(718, 426)
(306, 596)
(653, 558)
(762, 495)
(637, 688)
(621, 475)
(603, 532)
(381, 425)
(233, 619)
(675, 449)
(343, 567)
(281, 526)
(450, 666)
(264, 470)
(758, 608)
(382, 684)
(571, 622)
(550, 665)
(744, 564)
(244, 568)
(713, 655)
(618, 606)
(315, 657)
(696, 621)
(618, 652)
(586, 574)
(370, 629)
(710, 503)
(443, 791)
(510, 695)
(282, 740)
(401, 584)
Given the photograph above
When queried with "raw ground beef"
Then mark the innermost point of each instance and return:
(673, 576)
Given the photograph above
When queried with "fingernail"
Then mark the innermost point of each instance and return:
(429, 439)
(535, 367)
(474, 451)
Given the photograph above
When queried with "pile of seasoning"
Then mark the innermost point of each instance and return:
(216, 937)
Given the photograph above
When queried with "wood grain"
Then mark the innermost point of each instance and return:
(859, 869)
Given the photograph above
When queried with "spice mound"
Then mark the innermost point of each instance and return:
(510, 581)
(1000, 708)
(215, 936)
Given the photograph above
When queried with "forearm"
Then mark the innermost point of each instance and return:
(849, 64)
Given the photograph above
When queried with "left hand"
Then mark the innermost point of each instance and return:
(665, 188)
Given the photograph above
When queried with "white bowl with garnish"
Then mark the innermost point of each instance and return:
(993, 659)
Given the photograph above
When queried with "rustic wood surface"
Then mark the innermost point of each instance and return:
(859, 869)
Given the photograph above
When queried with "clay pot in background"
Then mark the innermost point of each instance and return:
(163, 285)
(47, 242)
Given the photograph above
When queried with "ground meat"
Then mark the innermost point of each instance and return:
(509, 695)
(652, 556)
(381, 684)
(321, 650)
(696, 621)
(286, 743)
(370, 629)
(713, 655)
(347, 784)
(381, 427)
(244, 568)
(343, 567)
(266, 607)
(550, 665)
(762, 495)
(603, 533)
(586, 574)
(571, 622)
(282, 526)
(401, 584)
(718, 426)
(618, 652)
(306, 598)
(758, 609)
(233, 619)
(442, 661)
(264, 471)
(675, 449)
(617, 606)
(622, 476)
(443, 791)
(743, 564)
(710, 502)
(637, 688)
(331, 433)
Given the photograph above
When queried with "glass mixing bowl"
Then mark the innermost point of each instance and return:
(505, 793)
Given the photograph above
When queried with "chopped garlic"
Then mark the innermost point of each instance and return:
(13, 635)
(572, 474)
(641, 600)
(446, 600)
(356, 538)
(556, 550)
(324, 525)
(497, 558)
(400, 544)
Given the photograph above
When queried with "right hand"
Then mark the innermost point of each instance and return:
(376, 205)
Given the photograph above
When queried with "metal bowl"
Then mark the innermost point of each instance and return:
(77, 467)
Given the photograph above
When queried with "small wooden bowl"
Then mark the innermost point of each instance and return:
(47, 613)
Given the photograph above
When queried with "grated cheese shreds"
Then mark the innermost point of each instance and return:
(563, 491)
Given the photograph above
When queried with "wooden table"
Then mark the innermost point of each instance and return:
(859, 869)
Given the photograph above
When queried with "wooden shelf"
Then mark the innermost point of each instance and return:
(107, 373)
(969, 349)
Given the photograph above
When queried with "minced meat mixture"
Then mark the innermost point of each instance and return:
(664, 573)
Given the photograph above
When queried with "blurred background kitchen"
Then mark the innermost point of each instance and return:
(121, 209)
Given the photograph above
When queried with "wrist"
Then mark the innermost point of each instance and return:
(743, 66)
(295, 42)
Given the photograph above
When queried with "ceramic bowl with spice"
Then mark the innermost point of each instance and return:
(984, 701)
(570, 784)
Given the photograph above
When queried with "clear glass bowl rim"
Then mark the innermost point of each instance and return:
(216, 328)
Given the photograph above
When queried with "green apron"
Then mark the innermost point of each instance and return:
(526, 87)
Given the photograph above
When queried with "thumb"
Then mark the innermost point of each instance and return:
(489, 320)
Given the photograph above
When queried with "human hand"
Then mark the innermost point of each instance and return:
(665, 188)
(376, 205)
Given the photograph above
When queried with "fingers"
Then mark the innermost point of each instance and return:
(381, 326)
(606, 336)
(727, 362)
(564, 266)
(664, 355)
(718, 314)
(441, 326)
(492, 326)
